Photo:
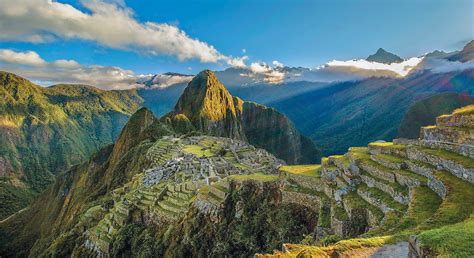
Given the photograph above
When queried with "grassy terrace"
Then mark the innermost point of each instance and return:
(390, 158)
(388, 145)
(460, 159)
(356, 202)
(384, 197)
(411, 174)
(455, 240)
(358, 153)
(198, 150)
(306, 170)
(467, 110)
(255, 176)
(397, 187)
(458, 204)
(343, 159)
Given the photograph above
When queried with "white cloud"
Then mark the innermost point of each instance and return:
(31, 65)
(108, 23)
(167, 79)
(27, 58)
(438, 65)
(260, 71)
(66, 63)
(238, 62)
(277, 64)
(401, 69)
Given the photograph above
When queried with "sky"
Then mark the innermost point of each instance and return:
(150, 36)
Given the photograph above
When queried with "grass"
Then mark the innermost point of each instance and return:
(306, 170)
(356, 202)
(413, 175)
(455, 240)
(388, 145)
(198, 150)
(339, 247)
(255, 176)
(384, 197)
(460, 159)
(458, 204)
(467, 110)
(395, 186)
(390, 158)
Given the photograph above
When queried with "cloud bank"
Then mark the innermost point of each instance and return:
(29, 64)
(107, 23)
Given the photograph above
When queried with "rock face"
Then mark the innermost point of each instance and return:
(207, 107)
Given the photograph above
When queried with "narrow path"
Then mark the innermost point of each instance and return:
(398, 250)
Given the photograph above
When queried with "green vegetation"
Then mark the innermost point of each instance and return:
(384, 197)
(199, 151)
(255, 176)
(45, 131)
(458, 158)
(307, 170)
(455, 240)
(425, 111)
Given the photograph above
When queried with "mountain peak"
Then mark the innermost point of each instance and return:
(385, 57)
(206, 96)
(210, 107)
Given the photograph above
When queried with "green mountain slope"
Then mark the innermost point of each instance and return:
(424, 112)
(356, 113)
(46, 130)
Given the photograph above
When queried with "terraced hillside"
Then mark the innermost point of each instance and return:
(158, 194)
(403, 197)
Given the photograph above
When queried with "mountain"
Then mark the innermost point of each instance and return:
(207, 106)
(384, 57)
(207, 196)
(424, 112)
(355, 113)
(465, 55)
(46, 130)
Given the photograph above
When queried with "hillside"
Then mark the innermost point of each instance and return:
(424, 112)
(46, 130)
(405, 198)
(356, 113)
(152, 194)
(206, 106)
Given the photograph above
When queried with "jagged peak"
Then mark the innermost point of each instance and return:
(206, 96)
(383, 56)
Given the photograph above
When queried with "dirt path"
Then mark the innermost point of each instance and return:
(397, 250)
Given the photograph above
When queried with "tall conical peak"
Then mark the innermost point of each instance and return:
(207, 97)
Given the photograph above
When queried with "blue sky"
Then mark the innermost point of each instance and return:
(296, 33)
